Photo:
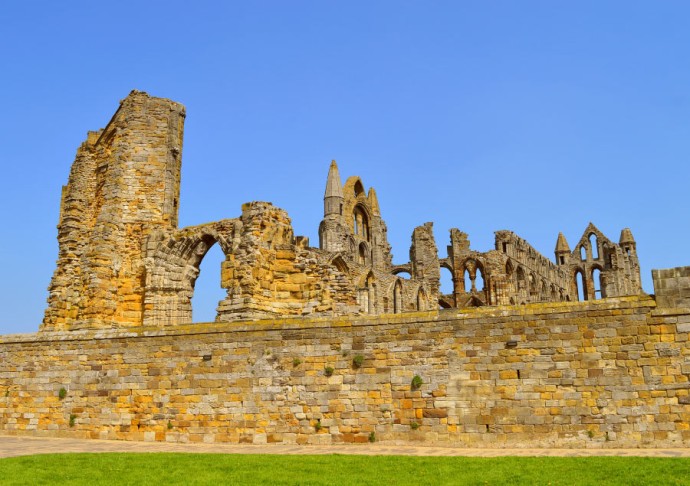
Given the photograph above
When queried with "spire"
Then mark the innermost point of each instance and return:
(333, 197)
(562, 244)
(374, 202)
(626, 237)
(333, 186)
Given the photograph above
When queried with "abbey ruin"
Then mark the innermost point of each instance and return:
(124, 263)
(331, 344)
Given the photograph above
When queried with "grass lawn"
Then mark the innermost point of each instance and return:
(173, 468)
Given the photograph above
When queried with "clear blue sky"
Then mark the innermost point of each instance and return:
(536, 117)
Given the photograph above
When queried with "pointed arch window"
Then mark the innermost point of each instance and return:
(361, 223)
(581, 285)
(594, 245)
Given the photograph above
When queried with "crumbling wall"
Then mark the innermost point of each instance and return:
(124, 184)
(172, 267)
(271, 273)
(122, 261)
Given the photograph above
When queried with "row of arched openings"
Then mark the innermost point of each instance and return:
(591, 286)
(593, 243)
(471, 275)
(367, 297)
(529, 287)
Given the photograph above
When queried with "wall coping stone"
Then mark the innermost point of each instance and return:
(305, 323)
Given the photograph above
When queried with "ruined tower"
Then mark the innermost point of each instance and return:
(352, 222)
(332, 227)
(562, 250)
(124, 183)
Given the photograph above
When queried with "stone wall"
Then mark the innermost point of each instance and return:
(124, 185)
(672, 286)
(607, 373)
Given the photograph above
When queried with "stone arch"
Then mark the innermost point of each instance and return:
(363, 254)
(594, 245)
(580, 284)
(366, 294)
(453, 284)
(521, 278)
(422, 300)
(597, 281)
(340, 263)
(473, 269)
(358, 188)
(361, 227)
(207, 287)
(398, 269)
(533, 292)
(443, 303)
(351, 244)
(172, 267)
(480, 277)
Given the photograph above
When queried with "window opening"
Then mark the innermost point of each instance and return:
(479, 280)
(467, 281)
(447, 287)
(207, 290)
(362, 257)
(581, 288)
(596, 282)
(421, 300)
(594, 244)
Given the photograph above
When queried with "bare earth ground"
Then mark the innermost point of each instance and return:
(22, 446)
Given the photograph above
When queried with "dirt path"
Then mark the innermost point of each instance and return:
(22, 446)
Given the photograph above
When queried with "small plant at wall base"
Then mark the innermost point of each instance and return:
(372, 437)
(170, 425)
(414, 425)
(296, 362)
(318, 425)
(72, 419)
(590, 434)
(417, 382)
(62, 393)
(357, 361)
(328, 370)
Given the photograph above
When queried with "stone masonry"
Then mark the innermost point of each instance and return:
(124, 263)
(607, 373)
(331, 344)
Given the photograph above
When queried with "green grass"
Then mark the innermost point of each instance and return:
(167, 468)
